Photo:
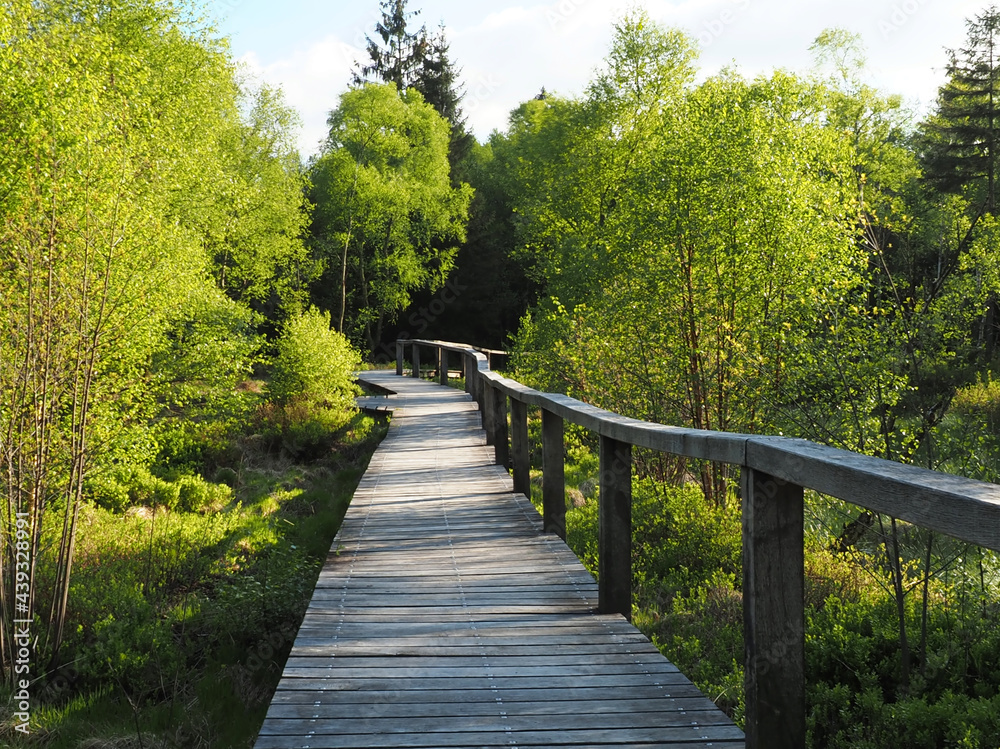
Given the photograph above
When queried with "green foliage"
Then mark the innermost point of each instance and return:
(135, 486)
(130, 160)
(387, 219)
(314, 363)
(253, 227)
(690, 238)
(182, 618)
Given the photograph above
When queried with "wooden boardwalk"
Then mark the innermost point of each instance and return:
(445, 618)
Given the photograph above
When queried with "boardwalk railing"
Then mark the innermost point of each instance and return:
(774, 473)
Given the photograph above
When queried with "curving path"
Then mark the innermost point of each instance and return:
(445, 618)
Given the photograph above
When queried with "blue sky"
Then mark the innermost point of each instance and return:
(509, 50)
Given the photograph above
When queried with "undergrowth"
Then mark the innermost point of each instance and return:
(187, 593)
(687, 598)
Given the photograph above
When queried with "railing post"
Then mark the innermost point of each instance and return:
(486, 409)
(614, 543)
(520, 455)
(498, 425)
(470, 380)
(399, 358)
(443, 365)
(415, 355)
(553, 476)
(773, 627)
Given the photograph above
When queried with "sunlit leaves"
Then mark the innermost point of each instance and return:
(387, 217)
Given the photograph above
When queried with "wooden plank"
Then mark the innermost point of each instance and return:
(679, 735)
(498, 426)
(774, 633)
(394, 684)
(499, 723)
(443, 617)
(325, 647)
(294, 691)
(520, 449)
(454, 705)
(614, 542)
(498, 665)
(553, 475)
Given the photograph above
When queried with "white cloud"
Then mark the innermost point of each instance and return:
(312, 80)
(508, 54)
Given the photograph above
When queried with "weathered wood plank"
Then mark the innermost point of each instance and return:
(455, 705)
(444, 618)
(519, 448)
(774, 633)
(295, 692)
(615, 528)
(498, 426)
(553, 475)
(331, 648)
(680, 736)
(500, 723)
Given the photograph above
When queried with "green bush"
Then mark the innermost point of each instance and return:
(136, 486)
(314, 363)
(197, 495)
(107, 493)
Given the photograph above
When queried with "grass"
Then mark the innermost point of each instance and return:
(181, 621)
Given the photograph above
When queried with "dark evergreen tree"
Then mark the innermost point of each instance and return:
(437, 80)
(960, 140)
(400, 56)
(420, 61)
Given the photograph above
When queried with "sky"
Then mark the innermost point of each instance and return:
(508, 51)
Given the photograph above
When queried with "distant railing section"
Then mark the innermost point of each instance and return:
(774, 473)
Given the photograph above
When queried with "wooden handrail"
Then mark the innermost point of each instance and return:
(774, 473)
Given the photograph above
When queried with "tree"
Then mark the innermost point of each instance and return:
(254, 219)
(961, 138)
(687, 238)
(400, 60)
(387, 218)
(109, 124)
(418, 60)
(437, 81)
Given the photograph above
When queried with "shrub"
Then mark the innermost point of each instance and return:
(314, 363)
(107, 493)
(197, 495)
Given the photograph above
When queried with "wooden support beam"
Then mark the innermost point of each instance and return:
(442, 365)
(486, 408)
(614, 543)
(520, 452)
(399, 358)
(498, 425)
(553, 476)
(773, 612)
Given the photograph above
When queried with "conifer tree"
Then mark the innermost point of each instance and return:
(419, 61)
(961, 138)
(400, 56)
(438, 82)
